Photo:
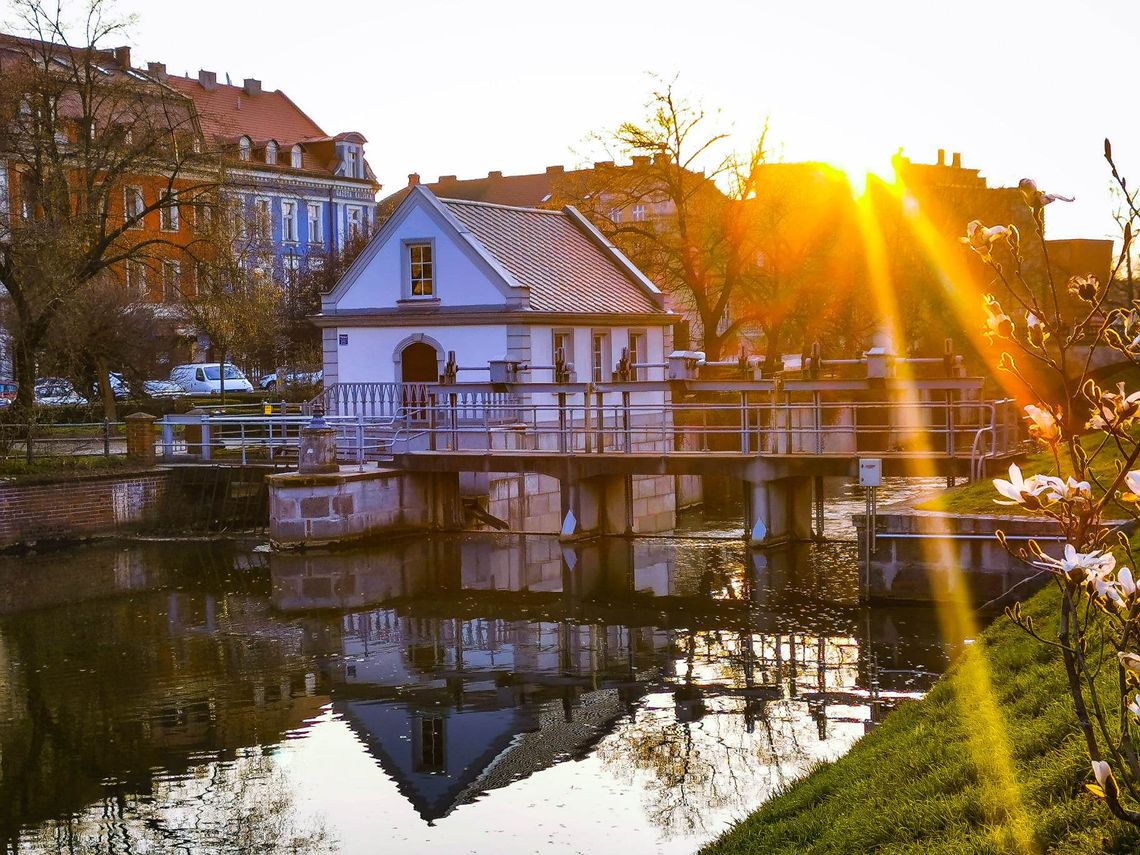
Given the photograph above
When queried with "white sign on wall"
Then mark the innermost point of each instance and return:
(870, 472)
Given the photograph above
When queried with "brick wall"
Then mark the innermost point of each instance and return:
(79, 507)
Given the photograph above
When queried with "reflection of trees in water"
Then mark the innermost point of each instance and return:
(246, 806)
(112, 690)
(707, 753)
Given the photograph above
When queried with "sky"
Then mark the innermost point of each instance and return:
(451, 87)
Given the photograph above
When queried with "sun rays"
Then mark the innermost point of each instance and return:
(987, 739)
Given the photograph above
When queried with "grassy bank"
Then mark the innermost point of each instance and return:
(978, 498)
(926, 781)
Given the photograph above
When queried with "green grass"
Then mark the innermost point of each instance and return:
(916, 783)
(19, 471)
(978, 498)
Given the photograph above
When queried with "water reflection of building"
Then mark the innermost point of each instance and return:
(494, 658)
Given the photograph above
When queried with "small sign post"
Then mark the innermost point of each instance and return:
(870, 478)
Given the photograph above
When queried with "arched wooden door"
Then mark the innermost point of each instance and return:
(419, 363)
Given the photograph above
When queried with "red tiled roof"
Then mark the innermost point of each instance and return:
(227, 112)
(552, 254)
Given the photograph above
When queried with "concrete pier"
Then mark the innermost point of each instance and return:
(778, 510)
(349, 504)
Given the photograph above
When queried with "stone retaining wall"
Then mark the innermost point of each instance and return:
(317, 510)
(80, 507)
(928, 555)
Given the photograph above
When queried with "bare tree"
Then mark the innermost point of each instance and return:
(104, 328)
(666, 213)
(78, 126)
(232, 298)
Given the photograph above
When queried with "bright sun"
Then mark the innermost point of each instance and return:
(860, 166)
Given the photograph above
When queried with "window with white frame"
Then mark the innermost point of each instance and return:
(600, 357)
(421, 270)
(561, 340)
(355, 221)
(245, 147)
(136, 279)
(615, 215)
(262, 219)
(203, 217)
(315, 222)
(171, 281)
(168, 216)
(5, 196)
(352, 158)
(133, 206)
(290, 264)
(271, 152)
(639, 353)
(289, 221)
(297, 157)
(638, 213)
(204, 277)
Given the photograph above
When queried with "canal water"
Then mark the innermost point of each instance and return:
(469, 693)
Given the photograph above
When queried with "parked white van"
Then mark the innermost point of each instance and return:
(205, 378)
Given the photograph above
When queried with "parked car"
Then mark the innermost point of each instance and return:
(150, 388)
(57, 392)
(205, 378)
(293, 378)
(7, 393)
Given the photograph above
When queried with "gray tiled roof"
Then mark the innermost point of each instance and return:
(553, 256)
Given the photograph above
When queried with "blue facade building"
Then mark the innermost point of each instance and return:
(311, 190)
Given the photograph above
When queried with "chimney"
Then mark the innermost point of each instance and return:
(957, 160)
(941, 157)
(123, 56)
(603, 164)
(641, 160)
(661, 159)
(252, 86)
(447, 179)
(413, 179)
(555, 170)
(208, 79)
(495, 174)
(156, 69)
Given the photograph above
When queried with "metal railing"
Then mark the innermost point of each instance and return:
(64, 439)
(269, 438)
(911, 428)
(446, 421)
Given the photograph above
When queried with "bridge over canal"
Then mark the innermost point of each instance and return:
(610, 450)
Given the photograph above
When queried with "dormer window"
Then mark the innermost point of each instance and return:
(245, 147)
(271, 152)
(296, 157)
(352, 158)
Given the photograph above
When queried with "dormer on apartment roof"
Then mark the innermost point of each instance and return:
(264, 126)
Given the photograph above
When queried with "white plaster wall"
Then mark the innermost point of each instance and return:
(370, 353)
(460, 280)
(542, 353)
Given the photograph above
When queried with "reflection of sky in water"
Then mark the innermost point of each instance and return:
(466, 694)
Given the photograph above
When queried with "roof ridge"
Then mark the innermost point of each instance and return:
(475, 203)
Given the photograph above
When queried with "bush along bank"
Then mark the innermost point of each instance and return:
(931, 779)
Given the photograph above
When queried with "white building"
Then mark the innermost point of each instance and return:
(489, 282)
